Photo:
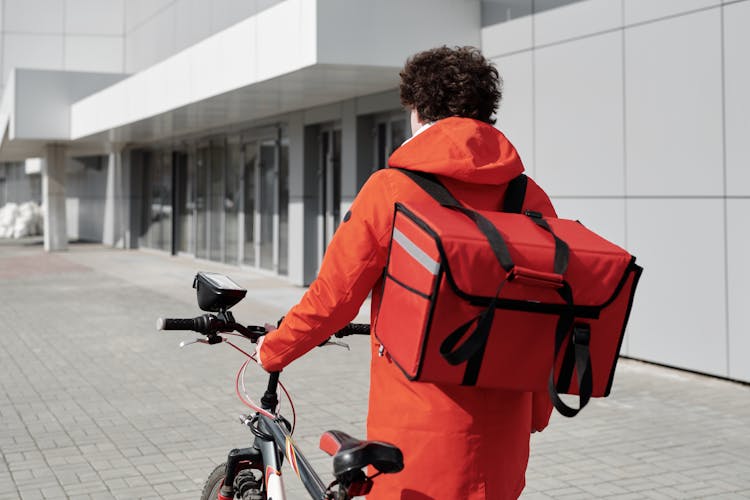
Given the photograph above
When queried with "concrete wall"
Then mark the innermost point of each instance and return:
(18, 187)
(85, 191)
(75, 35)
(632, 114)
(109, 36)
(156, 29)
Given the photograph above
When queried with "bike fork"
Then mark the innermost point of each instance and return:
(234, 459)
(272, 470)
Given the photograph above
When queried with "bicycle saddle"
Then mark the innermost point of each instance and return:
(350, 454)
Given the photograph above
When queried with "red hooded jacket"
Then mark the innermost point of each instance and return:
(458, 442)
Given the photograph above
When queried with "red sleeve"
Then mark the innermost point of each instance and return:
(352, 264)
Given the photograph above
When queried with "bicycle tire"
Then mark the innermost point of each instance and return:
(214, 482)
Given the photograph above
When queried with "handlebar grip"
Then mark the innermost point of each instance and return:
(353, 329)
(176, 324)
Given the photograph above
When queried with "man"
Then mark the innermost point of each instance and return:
(458, 442)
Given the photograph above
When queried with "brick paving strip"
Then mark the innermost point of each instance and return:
(94, 403)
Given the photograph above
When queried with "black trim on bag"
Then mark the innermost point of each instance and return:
(374, 327)
(432, 299)
(404, 285)
(589, 312)
(635, 268)
(584, 312)
(428, 324)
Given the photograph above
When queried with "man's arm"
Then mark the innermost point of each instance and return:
(352, 264)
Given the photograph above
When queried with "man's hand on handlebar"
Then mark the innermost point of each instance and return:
(269, 328)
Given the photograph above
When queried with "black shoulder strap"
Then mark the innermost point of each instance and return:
(515, 194)
(432, 186)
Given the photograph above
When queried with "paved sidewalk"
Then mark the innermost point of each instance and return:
(94, 403)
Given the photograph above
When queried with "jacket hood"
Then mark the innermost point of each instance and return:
(463, 149)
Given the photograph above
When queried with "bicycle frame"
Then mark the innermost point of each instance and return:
(273, 433)
(269, 453)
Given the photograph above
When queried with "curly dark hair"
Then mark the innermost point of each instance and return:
(443, 82)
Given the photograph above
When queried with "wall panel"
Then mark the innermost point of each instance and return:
(139, 11)
(638, 11)
(95, 17)
(94, 53)
(579, 117)
(605, 216)
(151, 42)
(33, 16)
(738, 255)
(515, 116)
(673, 107)
(737, 98)
(31, 52)
(576, 20)
(679, 314)
(508, 37)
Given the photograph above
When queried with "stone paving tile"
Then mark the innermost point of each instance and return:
(95, 404)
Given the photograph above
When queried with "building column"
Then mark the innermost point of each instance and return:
(349, 145)
(297, 215)
(53, 198)
(114, 202)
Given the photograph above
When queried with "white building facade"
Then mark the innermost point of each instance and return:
(240, 131)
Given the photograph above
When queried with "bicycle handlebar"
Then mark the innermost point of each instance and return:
(179, 324)
(208, 324)
(353, 329)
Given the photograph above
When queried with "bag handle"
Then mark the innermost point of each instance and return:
(577, 353)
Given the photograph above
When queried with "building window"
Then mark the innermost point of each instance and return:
(391, 130)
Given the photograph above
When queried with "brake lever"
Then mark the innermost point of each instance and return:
(199, 340)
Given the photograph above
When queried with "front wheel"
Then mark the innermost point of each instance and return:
(214, 483)
(247, 485)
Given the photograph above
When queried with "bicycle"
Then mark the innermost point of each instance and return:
(254, 473)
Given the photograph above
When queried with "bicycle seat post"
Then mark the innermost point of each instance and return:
(270, 399)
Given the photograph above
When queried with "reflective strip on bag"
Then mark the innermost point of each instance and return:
(415, 252)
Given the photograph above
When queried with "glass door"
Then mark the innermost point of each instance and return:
(392, 131)
(202, 163)
(166, 201)
(265, 201)
(157, 201)
(249, 200)
(217, 200)
(329, 188)
(185, 200)
(268, 203)
(283, 231)
(233, 191)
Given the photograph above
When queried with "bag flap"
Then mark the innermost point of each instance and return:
(596, 266)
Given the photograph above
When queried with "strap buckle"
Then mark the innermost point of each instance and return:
(581, 334)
